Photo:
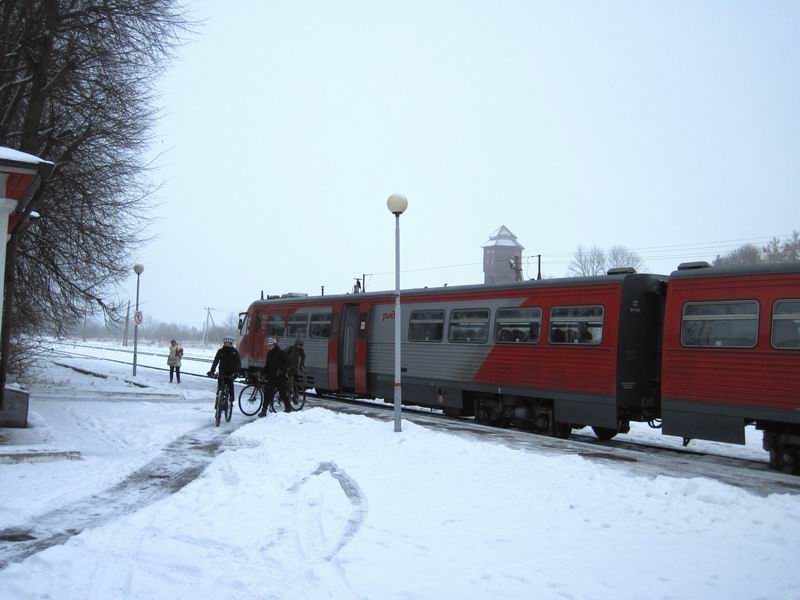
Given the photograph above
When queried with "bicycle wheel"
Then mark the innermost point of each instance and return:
(250, 400)
(298, 397)
(218, 408)
(228, 406)
(275, 403)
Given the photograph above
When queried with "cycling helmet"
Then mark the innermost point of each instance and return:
(228, 339)
(299, 341)
(271, 342)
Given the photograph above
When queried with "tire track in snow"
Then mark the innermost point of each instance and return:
(178, 464)
(302, 530)
(355, 518)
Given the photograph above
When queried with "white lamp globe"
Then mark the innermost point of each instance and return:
(397, 204)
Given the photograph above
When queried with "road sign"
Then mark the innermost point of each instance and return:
(137, 317)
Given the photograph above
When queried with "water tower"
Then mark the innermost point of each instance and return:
(502, 257)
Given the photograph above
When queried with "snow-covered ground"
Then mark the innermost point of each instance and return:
(318, 504)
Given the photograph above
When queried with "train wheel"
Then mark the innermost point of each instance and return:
(789, 461)
(485, 414)
(562, 430)
(604, 433)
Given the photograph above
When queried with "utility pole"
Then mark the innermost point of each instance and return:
(210, 319)
(516, 266)
(127, 320)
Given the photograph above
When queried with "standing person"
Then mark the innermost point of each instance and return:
(174, 360)
(274, 376)
(229, 363)
(296, 356)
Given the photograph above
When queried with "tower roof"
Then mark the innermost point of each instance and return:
(503, 237)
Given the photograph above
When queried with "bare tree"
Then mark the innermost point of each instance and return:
(773, 251)
(77, 88)
(743, 255)
(620, 256)
(787, 251)
(588, 262)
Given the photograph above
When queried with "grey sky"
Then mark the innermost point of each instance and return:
(288, 124)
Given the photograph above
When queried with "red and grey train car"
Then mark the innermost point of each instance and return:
(731, 356)
(552, 355)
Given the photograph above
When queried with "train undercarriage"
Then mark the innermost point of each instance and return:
(532, 414)
(783, 444)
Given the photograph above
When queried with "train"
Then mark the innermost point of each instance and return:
(701, 353)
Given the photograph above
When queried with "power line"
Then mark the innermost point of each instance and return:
(666, 252)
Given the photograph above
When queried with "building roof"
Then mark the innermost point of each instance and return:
(11, 155)
(503, 237)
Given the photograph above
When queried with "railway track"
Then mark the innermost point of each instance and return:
(140, 352)
(646, 459)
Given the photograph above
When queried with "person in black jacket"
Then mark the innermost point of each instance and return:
(274, 376)
(296, 356)
(229, 363)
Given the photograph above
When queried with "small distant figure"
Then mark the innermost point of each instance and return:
(174, 360)
(296, 357)
(229, 361)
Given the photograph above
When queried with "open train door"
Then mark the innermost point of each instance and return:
(244, 344)
(353, 348)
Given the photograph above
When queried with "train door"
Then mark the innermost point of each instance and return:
(347, 346)
(244, 344)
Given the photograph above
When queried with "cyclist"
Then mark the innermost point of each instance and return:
(296, 356)
(274, 376)
(229, 363)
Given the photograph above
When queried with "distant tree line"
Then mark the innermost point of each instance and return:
(776, 251)
(596, 261)
(150, 330)
(588, 261)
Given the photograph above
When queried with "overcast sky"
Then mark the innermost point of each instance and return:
(669, 127)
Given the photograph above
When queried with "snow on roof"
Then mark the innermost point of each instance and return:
(503, 237)
(17, 156)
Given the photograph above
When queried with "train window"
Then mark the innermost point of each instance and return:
(786, 324)
(298, 326)
(276, 325)
(517, 325)
(728, 324)
(244, 325)
(469, 326)
(576, 325)
(320, 325)
(426, 326)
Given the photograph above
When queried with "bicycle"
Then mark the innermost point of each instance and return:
(223, 403)
(251, 398)
(296, 391)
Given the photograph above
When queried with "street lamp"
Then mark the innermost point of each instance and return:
(397, 204)
(137, 268)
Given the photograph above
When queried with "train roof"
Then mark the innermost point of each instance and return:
(703, 269)
(485, 287)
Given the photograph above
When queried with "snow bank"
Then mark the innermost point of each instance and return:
(323, 505)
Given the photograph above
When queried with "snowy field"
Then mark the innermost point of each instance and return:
(318, 504)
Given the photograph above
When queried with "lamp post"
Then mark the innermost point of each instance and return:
(137, 268)
(397, 204)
